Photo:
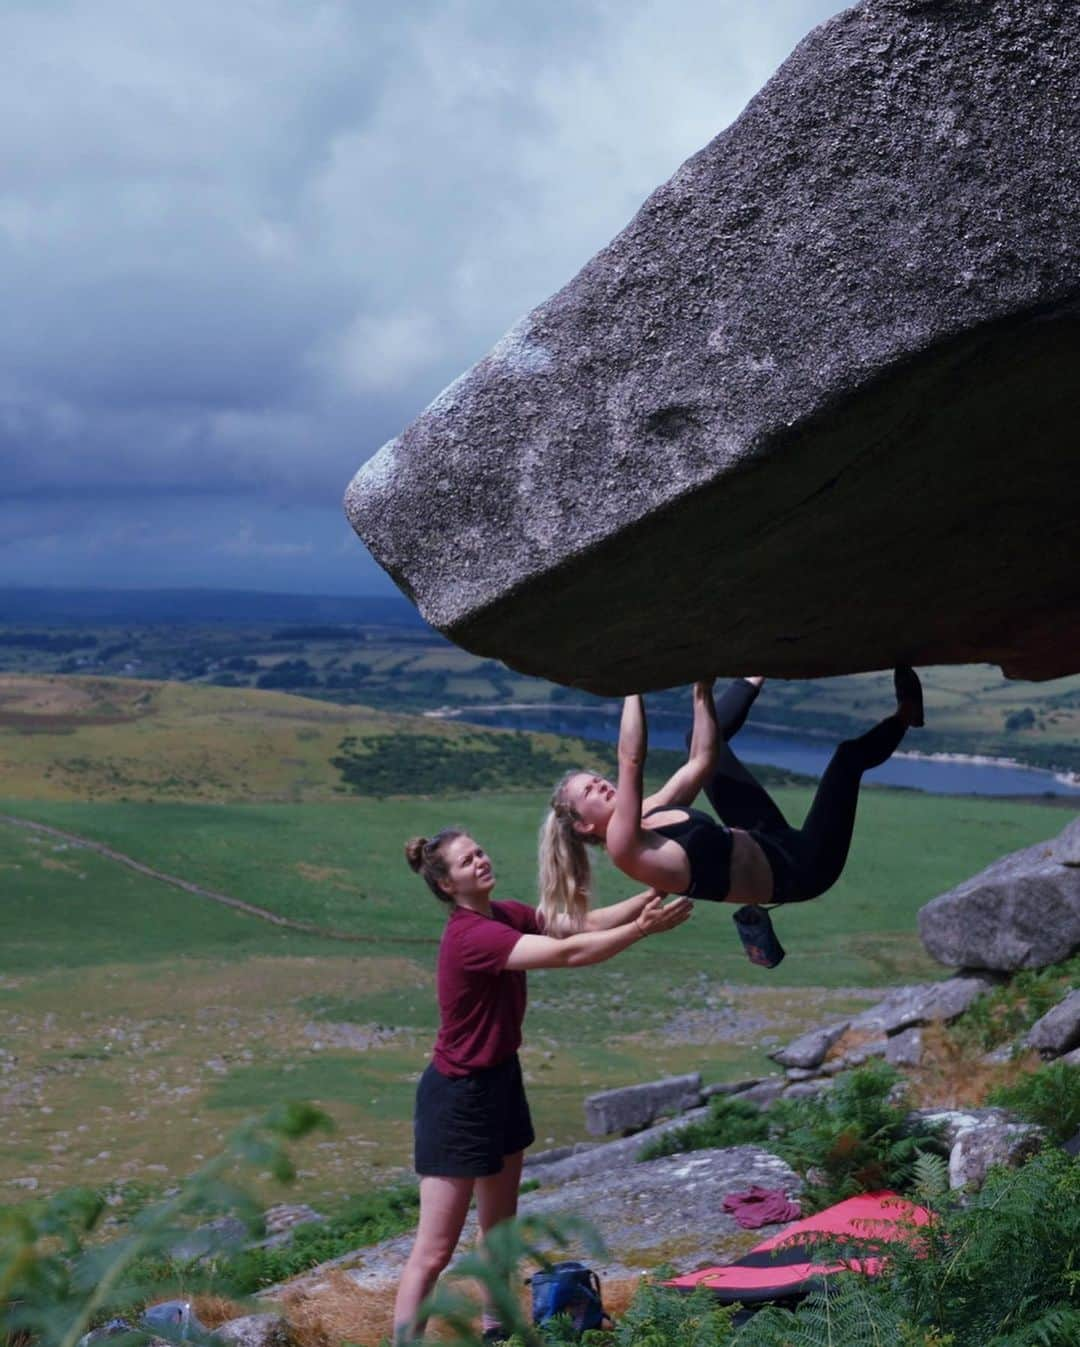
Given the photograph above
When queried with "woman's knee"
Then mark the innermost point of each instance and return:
(432, 1255)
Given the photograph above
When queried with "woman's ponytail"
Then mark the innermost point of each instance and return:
(565, 872)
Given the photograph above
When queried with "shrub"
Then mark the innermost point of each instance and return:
(854, 1138)
(1050, 1097)
(1004, 1014)
(731, 1122)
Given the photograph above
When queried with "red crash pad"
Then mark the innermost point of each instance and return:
(792, 1263)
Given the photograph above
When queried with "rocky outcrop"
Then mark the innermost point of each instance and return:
(1022, 911)
(636, 1106)
(804, 368)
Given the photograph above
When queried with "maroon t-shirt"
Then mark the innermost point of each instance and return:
(481, 1004)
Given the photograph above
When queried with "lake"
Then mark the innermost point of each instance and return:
(795, 752)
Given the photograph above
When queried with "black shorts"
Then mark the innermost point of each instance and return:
(466, 1125)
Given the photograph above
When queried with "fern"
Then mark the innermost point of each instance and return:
(659, 1317)
(731, 1122)
(930, 1176)
(1056, 1328)
(854, 1139)
(1050, 1097)
(849, 1311)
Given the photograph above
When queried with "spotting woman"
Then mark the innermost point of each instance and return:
(472, 1119)
(753, 855)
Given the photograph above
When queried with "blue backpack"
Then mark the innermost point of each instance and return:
(568, 1288)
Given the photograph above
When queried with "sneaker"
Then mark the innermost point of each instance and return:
(909, 689)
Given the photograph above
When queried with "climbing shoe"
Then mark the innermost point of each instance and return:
(909, 689)
(755, 930)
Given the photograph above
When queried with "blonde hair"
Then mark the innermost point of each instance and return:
(565, 872)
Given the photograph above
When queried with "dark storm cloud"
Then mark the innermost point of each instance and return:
(241, 245)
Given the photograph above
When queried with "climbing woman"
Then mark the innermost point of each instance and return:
(753, 855)
(472, 1119)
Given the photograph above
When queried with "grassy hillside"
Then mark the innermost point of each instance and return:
(138, 1023)
(126, 739)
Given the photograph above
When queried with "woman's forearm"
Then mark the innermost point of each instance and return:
(588, 947)
(633, 734)
(618, 914)
(704, 735)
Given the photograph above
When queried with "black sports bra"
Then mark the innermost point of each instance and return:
(708, 847)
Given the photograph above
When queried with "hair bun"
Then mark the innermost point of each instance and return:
(414, 852)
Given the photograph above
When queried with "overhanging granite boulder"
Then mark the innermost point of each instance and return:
(812, 412)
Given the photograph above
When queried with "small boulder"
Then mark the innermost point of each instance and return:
(980, 1148)
(980, 1138)
(614, 1111)
(809, 1049)
(904, 1048)
(1059, 1028)
(923, 1003)
(255, 1330)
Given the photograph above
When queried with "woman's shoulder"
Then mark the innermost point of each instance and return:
(521, 916)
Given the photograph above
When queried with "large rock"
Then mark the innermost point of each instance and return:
(1022, 911)
(808, 412)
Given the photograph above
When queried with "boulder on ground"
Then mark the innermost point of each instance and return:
(1059, 1029)
(809, 1049)
(1023, 911)
(979, 1139)
(924, 1003)
(634, 1106)
(255, 1330)
(804, 368)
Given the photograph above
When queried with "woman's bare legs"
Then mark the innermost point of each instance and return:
(497, 1201)
(444, 1204)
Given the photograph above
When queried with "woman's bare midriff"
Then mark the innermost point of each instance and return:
(751, 873)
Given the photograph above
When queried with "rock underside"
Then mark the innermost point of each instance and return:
(813, 412)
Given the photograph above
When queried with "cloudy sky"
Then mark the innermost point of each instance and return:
(242, 244)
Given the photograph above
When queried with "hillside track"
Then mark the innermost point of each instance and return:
(198, 891)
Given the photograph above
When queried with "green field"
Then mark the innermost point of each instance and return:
(139, 1022)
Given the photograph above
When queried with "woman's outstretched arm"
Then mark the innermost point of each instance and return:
(618, 914)
(589, 947)
(684, 786)
(624, 831)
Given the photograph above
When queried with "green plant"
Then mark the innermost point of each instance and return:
(658, 1317)
(851, 1139)
(56, 1281)
(495, 1265)
(363, 1220)
(1049, 1097)
(731, 1122)
(1009, 1010)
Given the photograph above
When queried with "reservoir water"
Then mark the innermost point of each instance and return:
(796, 753)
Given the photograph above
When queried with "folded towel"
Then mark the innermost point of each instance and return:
(761, 1206)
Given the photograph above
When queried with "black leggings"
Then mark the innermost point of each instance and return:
(808, 860)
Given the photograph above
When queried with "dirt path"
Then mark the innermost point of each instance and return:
(237, 904)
